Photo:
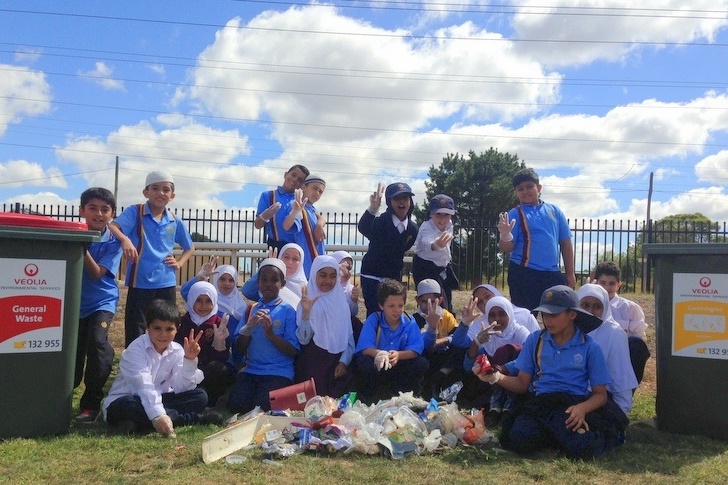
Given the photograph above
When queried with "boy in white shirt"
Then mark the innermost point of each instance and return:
(626, 313)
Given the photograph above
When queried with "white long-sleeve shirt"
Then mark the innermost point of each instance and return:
(423, 244)
(146, 373)
(630, 316)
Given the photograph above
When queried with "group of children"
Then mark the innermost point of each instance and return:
(301, 320)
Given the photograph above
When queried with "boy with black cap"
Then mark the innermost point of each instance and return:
(390, 236)
(148, 233)
(569, 375)
(433, 259)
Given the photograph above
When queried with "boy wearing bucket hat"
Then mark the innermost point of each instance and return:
(433, 258)
(148, 233)
(390, 236)
(570, 378)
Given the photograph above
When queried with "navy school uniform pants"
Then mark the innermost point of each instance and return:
(182, 408)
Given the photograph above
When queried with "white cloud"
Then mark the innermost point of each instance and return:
(199, 157)
(713, 167)
(103, 76)
(617, 24)
(21, 173)
(28, 54)
(157, 68)
(23, 92)
(663, 173)
(36, 202)
(710, 201)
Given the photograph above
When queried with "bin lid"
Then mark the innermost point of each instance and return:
(31, 226)
(33, 220)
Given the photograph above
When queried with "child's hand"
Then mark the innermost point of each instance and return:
(272, 252)
(443, 240)
(381, 360)
(208, 269)
(340, 370)
(471, 311)
(172, 262)
(344, 271)
(355, 292)
(306, 302)
(299, 203)
(393, 358)
(268, 214)
(219, 340)
(375, 200)
(432, 316)
(576, 419)
(163, 425)
(129, 250)
(192, 345)
(267, 324)
(319, 233)
(485, 333)
(505, 226)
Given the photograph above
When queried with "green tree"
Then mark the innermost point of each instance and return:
(481, 187)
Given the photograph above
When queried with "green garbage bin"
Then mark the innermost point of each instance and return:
(41, 262)
(691, 302)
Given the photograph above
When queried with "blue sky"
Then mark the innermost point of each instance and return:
(226, 95)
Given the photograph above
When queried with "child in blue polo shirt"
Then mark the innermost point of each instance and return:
(268, 335)
(568, 371)
(148, 233)
(302, 218)
(99, 297)
(269, 204)
(390, 235)
(389, 350)
(535, 233)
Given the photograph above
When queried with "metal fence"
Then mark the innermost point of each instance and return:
(230, 234)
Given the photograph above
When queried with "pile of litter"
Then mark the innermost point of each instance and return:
(397, 427)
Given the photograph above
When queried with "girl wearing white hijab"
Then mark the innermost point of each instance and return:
(523, 316)
(292, 256)
(324, 330)
(202, 317)
(351, 291)
(612, 341)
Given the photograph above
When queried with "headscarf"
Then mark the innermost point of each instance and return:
(514, 333)
(297, 279)
(233, 302)
(201, 288)
(600, 294)
(329, 316)
(491, 288)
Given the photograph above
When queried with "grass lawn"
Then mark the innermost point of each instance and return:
(88, 454)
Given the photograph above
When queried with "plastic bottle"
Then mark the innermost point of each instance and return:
(451, 393)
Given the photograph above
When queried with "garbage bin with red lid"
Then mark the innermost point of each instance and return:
(41, 263)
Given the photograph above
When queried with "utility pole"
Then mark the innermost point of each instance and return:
(116, 180)
(646, 277)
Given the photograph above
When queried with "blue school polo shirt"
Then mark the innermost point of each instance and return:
(310, 247)
(264, 358)
(407, 335)
(537, 238)
(159, 237)
(103, 293)
(569, 369)
(274, 227)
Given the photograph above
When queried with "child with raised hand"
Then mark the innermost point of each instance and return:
(268, 335)
(390, 347)
(324, 331)
(351, 291)
(433, 258)
(570, 378)
(148, 233)
(202, 317)
(156, 387)
(626, 313)
(445, 341)
(302, 218)
(390, 235)
(270, 202)
(536, 234)
(613, 342)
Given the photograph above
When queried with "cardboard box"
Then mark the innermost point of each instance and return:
(240, 435)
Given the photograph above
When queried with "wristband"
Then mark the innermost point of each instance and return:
(263, 219)
(507, 238)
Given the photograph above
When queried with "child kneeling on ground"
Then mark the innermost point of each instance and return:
(157, 382)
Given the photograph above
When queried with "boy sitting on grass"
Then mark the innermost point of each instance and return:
(157, 382)
(390, 347)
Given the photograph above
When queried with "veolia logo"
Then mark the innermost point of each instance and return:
(704, 290)
(705, 282)
(31, 270)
